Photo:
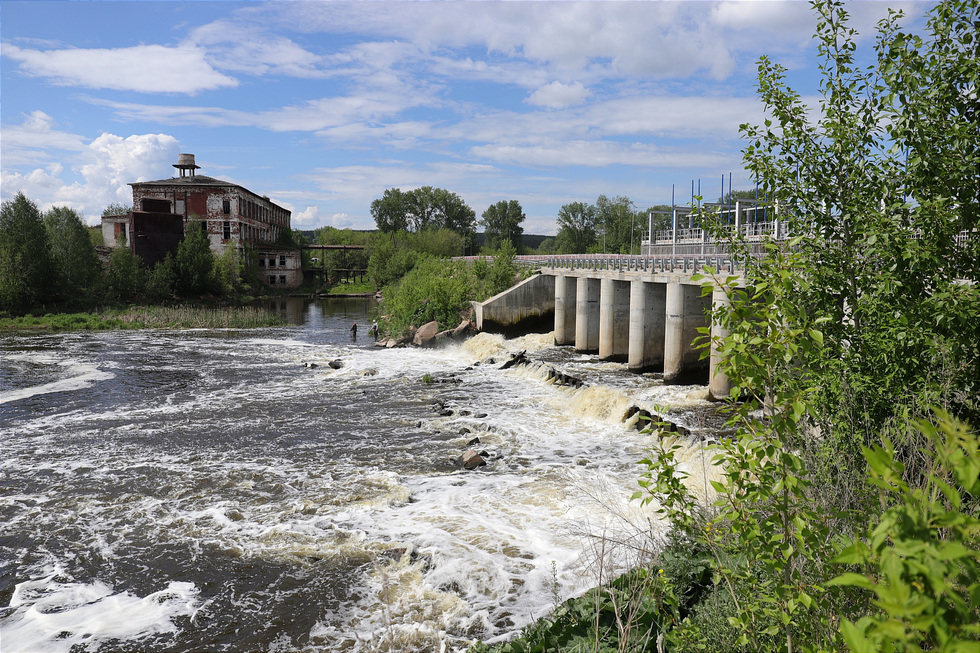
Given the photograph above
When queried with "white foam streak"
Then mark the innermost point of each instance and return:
(52, 615)
(84, 376)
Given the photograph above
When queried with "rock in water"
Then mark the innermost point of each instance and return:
(471, 459)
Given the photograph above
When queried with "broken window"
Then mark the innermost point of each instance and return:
(226, 207)
(226, 228)
(261, 262)
(282, 260)
(282, 278)
(272, 279)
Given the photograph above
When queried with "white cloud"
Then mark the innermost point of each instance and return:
(307, 218)
(557, 95)
(32, 141)
(102, 171)
(141, 68)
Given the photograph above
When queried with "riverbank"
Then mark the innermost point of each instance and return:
(149, 317)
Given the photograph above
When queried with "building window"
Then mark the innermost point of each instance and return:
(272, 262)
(282, 278)
(226, 227)
(226, 207)
(261, 262)
(272, 279)
(282, 260)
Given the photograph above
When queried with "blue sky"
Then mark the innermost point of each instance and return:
(323, 105)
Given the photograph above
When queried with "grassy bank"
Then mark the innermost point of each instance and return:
(149, 317)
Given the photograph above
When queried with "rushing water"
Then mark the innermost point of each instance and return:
(214, 491)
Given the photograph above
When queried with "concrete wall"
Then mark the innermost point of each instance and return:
(532, 301)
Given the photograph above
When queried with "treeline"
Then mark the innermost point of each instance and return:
(842, 510)
(49, 263)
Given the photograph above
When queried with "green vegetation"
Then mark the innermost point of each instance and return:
(502, 222)
(423, 209)
(142, 317)
(609, 225)
(48, 264)
(847, 506)
(442, 289)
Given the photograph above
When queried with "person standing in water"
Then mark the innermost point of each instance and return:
(353, 332)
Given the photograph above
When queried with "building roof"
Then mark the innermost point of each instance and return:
(195, 180)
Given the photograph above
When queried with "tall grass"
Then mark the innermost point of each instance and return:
(150, 317)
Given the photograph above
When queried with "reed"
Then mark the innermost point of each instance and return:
(151, 317)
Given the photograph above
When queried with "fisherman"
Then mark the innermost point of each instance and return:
(353, 331)
(374, 329)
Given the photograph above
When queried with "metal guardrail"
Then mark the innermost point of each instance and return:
(690, 264)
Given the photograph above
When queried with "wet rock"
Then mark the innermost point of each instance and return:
(370, 372)
(471, 459)
(480, 415)
(465, 328)
(311, 365)
(336, 364)
(426, 334)
(519, 358)
(473, 442)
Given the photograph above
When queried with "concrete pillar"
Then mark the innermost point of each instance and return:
(685, 314)
(587, 314)
(614, 324)
(719, 386)
(565, 310)
(648, 309)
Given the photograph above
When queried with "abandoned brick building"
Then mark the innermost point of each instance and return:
(235, 217)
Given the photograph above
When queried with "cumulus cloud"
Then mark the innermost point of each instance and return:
(99, 175)
(142, 68)
(557, 95)
(308, 217)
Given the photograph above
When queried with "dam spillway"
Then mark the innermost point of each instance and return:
(644, 311)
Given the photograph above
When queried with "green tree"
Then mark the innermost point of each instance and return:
(502, 222)
(194, 261)
(126, 277)
(576, 228)
(620, 226)
(840, 343)
(116, 208)
(390, 211)
(424, 208)
(75, 261)
(27, 273)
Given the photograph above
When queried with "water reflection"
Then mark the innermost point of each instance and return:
(318, 312)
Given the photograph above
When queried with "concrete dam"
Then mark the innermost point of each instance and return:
(644, 311)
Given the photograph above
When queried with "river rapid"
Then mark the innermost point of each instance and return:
(227, 490)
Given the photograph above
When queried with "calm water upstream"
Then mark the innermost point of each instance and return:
(208, 491)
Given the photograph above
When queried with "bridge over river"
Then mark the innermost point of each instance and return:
(643, 310)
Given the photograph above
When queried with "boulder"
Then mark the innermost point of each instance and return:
(464, 328)
(519, 358)
(426, 334)
(471, 459)
(336, 364)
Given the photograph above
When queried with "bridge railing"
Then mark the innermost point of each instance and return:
(630, 263)
(756, 231)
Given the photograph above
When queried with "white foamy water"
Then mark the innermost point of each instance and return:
(233, 491)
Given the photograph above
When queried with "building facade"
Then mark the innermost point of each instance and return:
(235, 218)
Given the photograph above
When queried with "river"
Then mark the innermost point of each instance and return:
(228, 490)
